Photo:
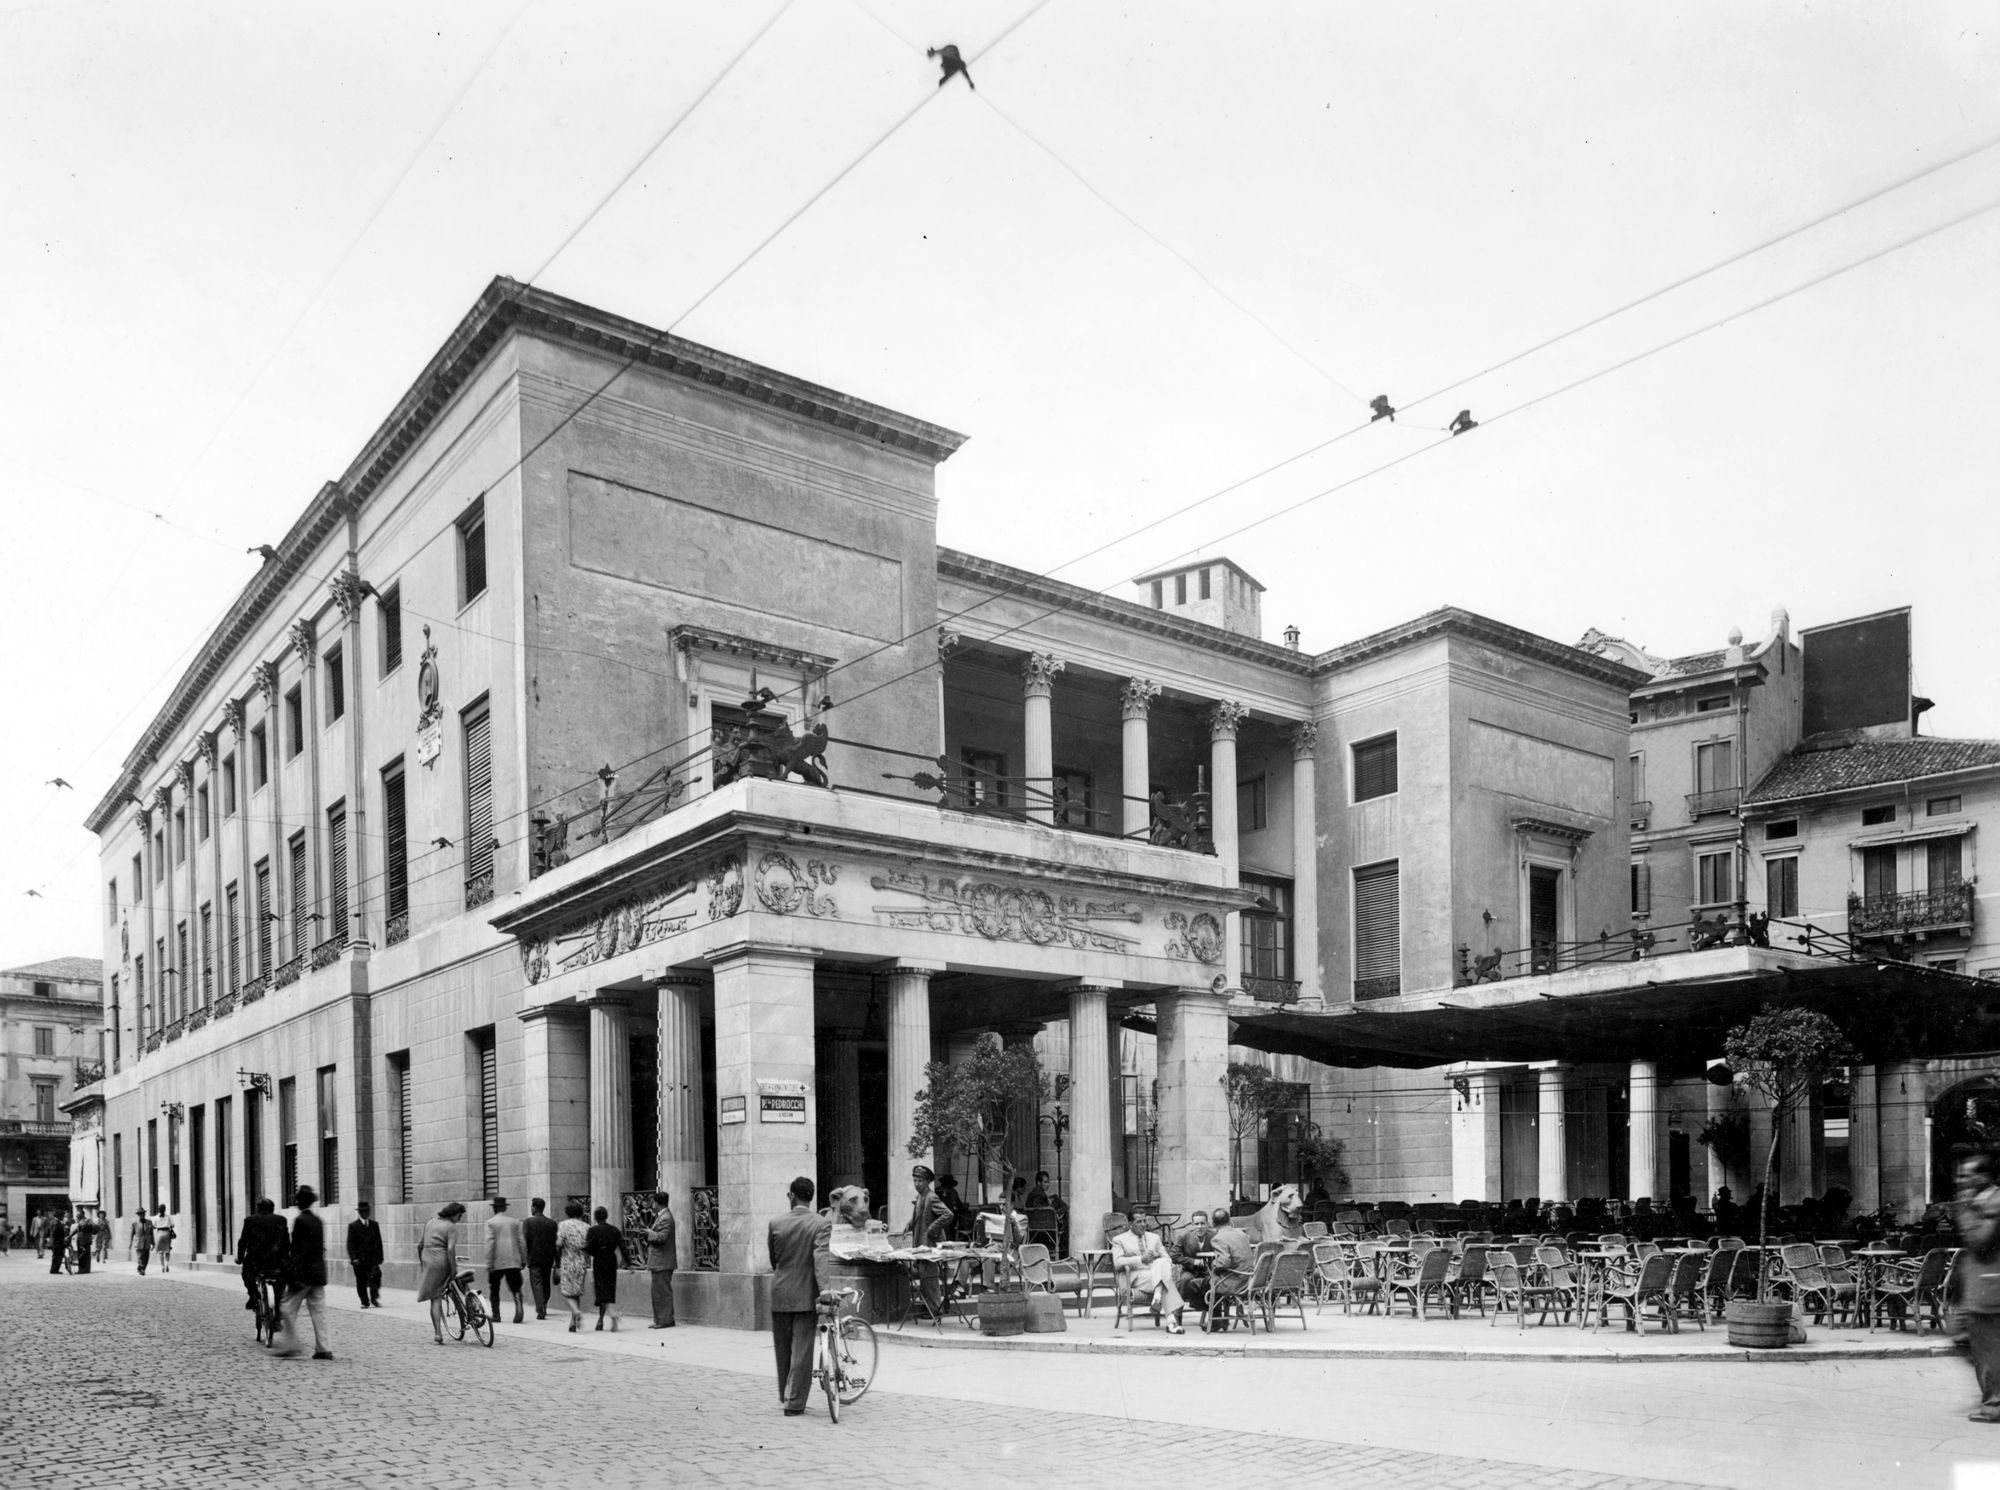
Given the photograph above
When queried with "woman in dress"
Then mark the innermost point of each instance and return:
(606, 1245)
(163, 1235)
(437, 1262)
(572, 1262)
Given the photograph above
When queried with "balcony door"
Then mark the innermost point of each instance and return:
(1945, 863)
(1544, 916)
(1878, 872)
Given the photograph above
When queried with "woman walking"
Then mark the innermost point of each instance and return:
(606, 1245)
(572, 1261)
(437, 1262)
(163, 1236)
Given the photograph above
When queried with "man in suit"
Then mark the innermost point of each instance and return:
(1235, 1260)
(506, 1251)
(364, 1255)
(794, 1294)
(305, 1280)
(538, 1234)
(260, 1249)
(1191, 1268)
(931, 1222)
(660, 1260)
(58, 1240)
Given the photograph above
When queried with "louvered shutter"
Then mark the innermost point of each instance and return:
(489, 1115)
(336, 854)
(1375, 768)
(264, 918)
(407, 1191)
(1377, 932)
(396, 846)
(1642, 889)
(299, 906)
(478, 797)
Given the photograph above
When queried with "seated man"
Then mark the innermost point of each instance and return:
(1190, 1267)
(1142, 1264)
(1235, 1260)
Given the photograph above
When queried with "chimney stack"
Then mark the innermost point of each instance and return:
(1291, 638)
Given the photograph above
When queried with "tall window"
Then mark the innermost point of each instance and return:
(45, 1040)
(260, 759)
(389, 616)
(138, 879)
(395, 854)
(263, 916)
(1715, 876)
(111, 899)
(1180, 589)
(1715, 765)
(1159, 595)
(1945, 861)
(1781, 888)
(1642, 888)
(472, 553)
(159, 856)
(1375, 768)
(253, 1147)
(1253, 804)
(225, 1178)
(45, 1101)
(478, 806)
(139, 995)
(1378, 955)
(173, 1166)
(336, 869)
(486, 1053)
(336, 684)
(329, 1139)
(1267, 930)
(1878, 872)
(201, 812)
(180, 835)
(1635, 776)
(234, 905)
(288, 1140)
(229, 786)
(207, 955)
(1204, 584)
(984, 773)
(399, 1124)
(295, 723)
(152, 1195)
(182, 968)
(300, 910)
(118, 1174)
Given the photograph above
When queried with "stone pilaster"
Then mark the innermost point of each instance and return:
(683, 1141)
(1305, 866)
(1193, 1151)
(1643, 1129)
(1223, 719)
(1553, 1130)
(907, 1013)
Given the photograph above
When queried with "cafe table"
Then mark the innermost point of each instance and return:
(1869, 1263)
(1090, 1257)
(1594, 1266)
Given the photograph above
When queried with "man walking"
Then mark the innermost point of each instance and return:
(794, 1294)
(38, 1231)
(506, 1251)
(539, 1235)
(142, 1239)
(364, 1255)
(58, 1239)
(660, 1260)
(305, 1280)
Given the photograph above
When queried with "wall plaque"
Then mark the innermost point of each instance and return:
(734, 1110)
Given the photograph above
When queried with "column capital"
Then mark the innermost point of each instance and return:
(346, 587)
(1223, 717)
(1305, 739)
(303, 640)
(769, 951)
(163, 799)
(1038, 673)
(927, 969)
(232, 718)
(606, 1001)
(184, 774)
(558, 1011)
(206, 743)
(1137, 695)
(1216, 990)
(266, 674)
(692, 982)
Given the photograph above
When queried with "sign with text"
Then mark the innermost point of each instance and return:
(734, 1110)
(781, 1101)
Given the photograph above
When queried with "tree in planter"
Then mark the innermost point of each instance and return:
(1323, 1159)
(967, 1107)
(1253, 1095)
(1784, 1055)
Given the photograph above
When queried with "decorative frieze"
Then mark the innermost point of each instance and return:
(784, 888)
(637, 921)
(1137, 697)
(1196, 938)
(1005, 913)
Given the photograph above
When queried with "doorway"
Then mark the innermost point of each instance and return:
(1544, 917)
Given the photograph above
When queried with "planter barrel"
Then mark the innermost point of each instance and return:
(1003, 1312)
(1759, 1326)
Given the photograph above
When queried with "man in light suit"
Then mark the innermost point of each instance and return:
(506, 1255)
(794, 1294)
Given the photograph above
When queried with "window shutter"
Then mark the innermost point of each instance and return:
(478, 796)
(1375, 768)
(1377, 932)
(396, 849)
(299, 906)
(407, 1191)
(336, 853)
(1642, 889)
(489, 1115)
(264, 918)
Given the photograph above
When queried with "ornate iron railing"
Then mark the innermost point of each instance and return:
(1378, 988)
(256, 988)
(175, 1030)
(479, 889)
(151, 1043)
(398, 929)
(1913, 910)
(89, 1071)
(197, 1018)
(327, 953)
(1273, 990)
(707, 1218)
(226, 1004)
(635, 1219)
(288, 972)
(1722, 799)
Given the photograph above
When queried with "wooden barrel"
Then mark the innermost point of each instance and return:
(1003, 1312)
(1759, 1326)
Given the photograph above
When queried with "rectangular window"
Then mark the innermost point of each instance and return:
(118, 1175)
(260, 759)
(234, 931)
(1787, 828)
(197, 1217)
(389, 616)
(1204, 584)
(263, 916)
(229, 786)
(1712, 705)
(336, 870)
(173, 1166)
(1378, 934)
(479, 843)
(1715, 766)
(1946, 964)
(1781, 888)
(472, 554)
(288, 1140)
(1715, 877)
(1375, 768)
(111, 900)
(1267, 929)
(1635, 778)
(225, 1178)
(336, 684)
(1875, 817)
(253, 1147)
(399, 1125)
(207, 956)
(1941, 806)
(395, 850)
(486, 1049)
(139, 994)
(159, 856)
(295, 724)
(1159, 594)
(180, 835)
(1253, 804)
(1945, 863)
(45, 1101)
(1180, 589)
(1878, 872)
(183, 969)
(152, 1196)
(300, 910)
(1642, 888)
(329, 1139)
(138, 880)
(201, 813)
(45, 1040)
(984, 774)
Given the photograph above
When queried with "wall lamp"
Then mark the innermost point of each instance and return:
(256, 1081)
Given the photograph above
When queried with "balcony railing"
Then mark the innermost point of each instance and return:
(1273, 990)
(288, 972)
(225, 1003)
(89, 1071)
(1942, 909)
(1642, 815)
(196, 1018)
(1722, 799)
(175, 1030)
(1378, 988)
(398, 929)
(478, 890)
(327, 953)
(256, 988)
(151, 1043)
(32, 1128)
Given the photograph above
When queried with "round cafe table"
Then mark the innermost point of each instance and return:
(1869, 1263)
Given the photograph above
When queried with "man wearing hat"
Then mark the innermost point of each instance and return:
(930, 1223)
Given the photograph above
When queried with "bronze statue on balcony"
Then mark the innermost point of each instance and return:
(1703, 933)
(770, 750)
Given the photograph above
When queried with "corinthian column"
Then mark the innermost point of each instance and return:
(1223, 719)
(1038, 747)
(1137, 697)
(1305, 866)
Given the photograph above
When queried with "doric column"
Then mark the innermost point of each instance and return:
(1305, 867)
(1902, 1104)
(1023, 1131)
(1089, 1177)
(1038, 673)
(1193, 1150)
(305, 643)
(763, 1049)
(246, 873)
(907, 996)
(1643, 1128)
(1864, 1147)
(1553, 1180)
(347, 594)
(1137, 698)
(1223, 718)
(683, 1107)
(555, 1098)
(610, 1100)
(1795, 1152)
(274, 752)
(1718, 1167)
(844, 1120)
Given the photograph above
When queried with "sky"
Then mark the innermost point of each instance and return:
(1157, 251)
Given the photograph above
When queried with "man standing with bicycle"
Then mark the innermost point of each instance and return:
(305, 1280)
(794, 1237)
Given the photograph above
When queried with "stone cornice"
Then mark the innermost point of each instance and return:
(1451, 621)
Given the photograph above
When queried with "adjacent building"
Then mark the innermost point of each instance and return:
(51, 1022)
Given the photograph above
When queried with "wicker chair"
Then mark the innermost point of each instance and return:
(1286, 1283)
(1715, 1281)
(1223, 1307)
(1911, 1286)
(1811, 1287)
(1429, 1279)
(1517, 1289)
(1691, 1271)
(1653, 1283)
(1470, 1280)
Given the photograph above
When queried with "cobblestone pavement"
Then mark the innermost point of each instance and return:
(112, 1381)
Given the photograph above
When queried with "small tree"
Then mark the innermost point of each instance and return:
(1783, 1055)
(1253, 1094)
(968, 1107)
(1323, 1159)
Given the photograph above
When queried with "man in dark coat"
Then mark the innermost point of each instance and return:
(305, 1281)
(660, 1261)
(364, 1255)
(794, 1294)
(58, 1239)
(260, 1250)
(539, 1233)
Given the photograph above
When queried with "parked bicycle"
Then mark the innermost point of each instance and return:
(843, 1352)
(465, 1309)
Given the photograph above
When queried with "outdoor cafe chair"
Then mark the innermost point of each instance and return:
(1045, 1226)
(1715, 1281)
(1285, 1284)
(1811, 1287)
(1469, 1279)
(1729, 1244)
(1652, 1284)
(1315, 1229)
(1644, 1250)
(1743, 1274)
(1396, 1226)
(1222, 1307)
(1690, 1272)
(1518, 1289)
(1558, 1275)
(1428, 1280)
(1910, 1285)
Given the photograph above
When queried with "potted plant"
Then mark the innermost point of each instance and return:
(1783, 1055)
(967, 1107)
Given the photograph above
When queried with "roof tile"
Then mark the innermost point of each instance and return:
(1810, 772)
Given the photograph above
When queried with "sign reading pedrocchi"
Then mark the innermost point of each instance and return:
(781, 1101)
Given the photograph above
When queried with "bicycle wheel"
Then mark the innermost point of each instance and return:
(454, 1316)
(823, 1361)
(69, 1260)
(479, 1319)
(854, 1357)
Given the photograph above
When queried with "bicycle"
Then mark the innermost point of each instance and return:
(264, 1304)
(843, 1352)
(466, 1309)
